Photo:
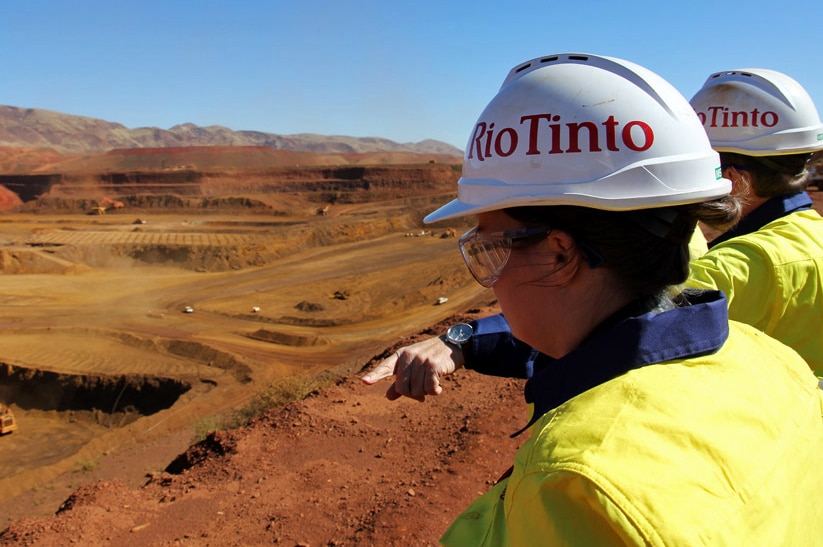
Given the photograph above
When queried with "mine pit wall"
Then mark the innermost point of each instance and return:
(325, 183)
(32, 389)
(29, 187)
(112, 185)
(140, 178)
(358, 184)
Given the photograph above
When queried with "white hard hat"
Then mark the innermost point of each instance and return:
(586, 130)
(758, 112)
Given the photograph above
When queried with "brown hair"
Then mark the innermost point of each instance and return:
(772, 175)
(648, 250)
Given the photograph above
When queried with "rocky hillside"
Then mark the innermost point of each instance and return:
(37, 128)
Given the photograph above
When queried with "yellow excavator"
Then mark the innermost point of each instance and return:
(106, 204)
(7, 422)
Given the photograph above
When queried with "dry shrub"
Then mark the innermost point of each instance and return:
(276, 395)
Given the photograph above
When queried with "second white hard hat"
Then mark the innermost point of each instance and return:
(758, 112)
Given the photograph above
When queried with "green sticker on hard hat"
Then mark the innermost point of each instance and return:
(718, 173)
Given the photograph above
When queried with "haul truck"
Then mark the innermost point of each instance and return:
(7, 423)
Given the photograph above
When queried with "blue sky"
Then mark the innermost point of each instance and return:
(405, 71)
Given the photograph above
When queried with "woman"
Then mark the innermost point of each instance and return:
(769, 266)
(656, 420)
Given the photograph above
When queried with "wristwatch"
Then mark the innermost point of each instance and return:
(459, 334)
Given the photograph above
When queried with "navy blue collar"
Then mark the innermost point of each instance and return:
(776, 207)
(626, 342)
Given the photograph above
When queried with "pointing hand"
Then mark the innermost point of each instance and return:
(417, 369)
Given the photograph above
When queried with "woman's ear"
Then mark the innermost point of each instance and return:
(562, 244)
(567, 255)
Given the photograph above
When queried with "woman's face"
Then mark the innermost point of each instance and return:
(527, 281)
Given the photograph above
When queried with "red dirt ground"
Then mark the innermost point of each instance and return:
(343, 467)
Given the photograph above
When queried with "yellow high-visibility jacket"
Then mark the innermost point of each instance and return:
(773, 280)
(713, 448)
(698, 244)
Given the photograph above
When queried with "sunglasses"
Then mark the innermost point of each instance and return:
(486, 254)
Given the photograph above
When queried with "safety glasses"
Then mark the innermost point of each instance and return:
(486, 254)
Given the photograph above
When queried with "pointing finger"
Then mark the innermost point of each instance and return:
(384, 369)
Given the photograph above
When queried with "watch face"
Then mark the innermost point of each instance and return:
(459, 333)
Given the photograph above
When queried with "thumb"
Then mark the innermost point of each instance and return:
(385, 369)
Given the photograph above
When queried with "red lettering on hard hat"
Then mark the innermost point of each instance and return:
(555, 128)
(755, 116)
(479, 129)
(741, 119)
(648, 136)
(722, 116)
(498, 148)
(586, 136)
(611, 136)
(713, 110)
(489, 140)
(534, 126)
(574, 132)
(772, 119)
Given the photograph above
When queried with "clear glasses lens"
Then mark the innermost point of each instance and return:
(485, 257)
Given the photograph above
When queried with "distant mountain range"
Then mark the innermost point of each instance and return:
(66, 133)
